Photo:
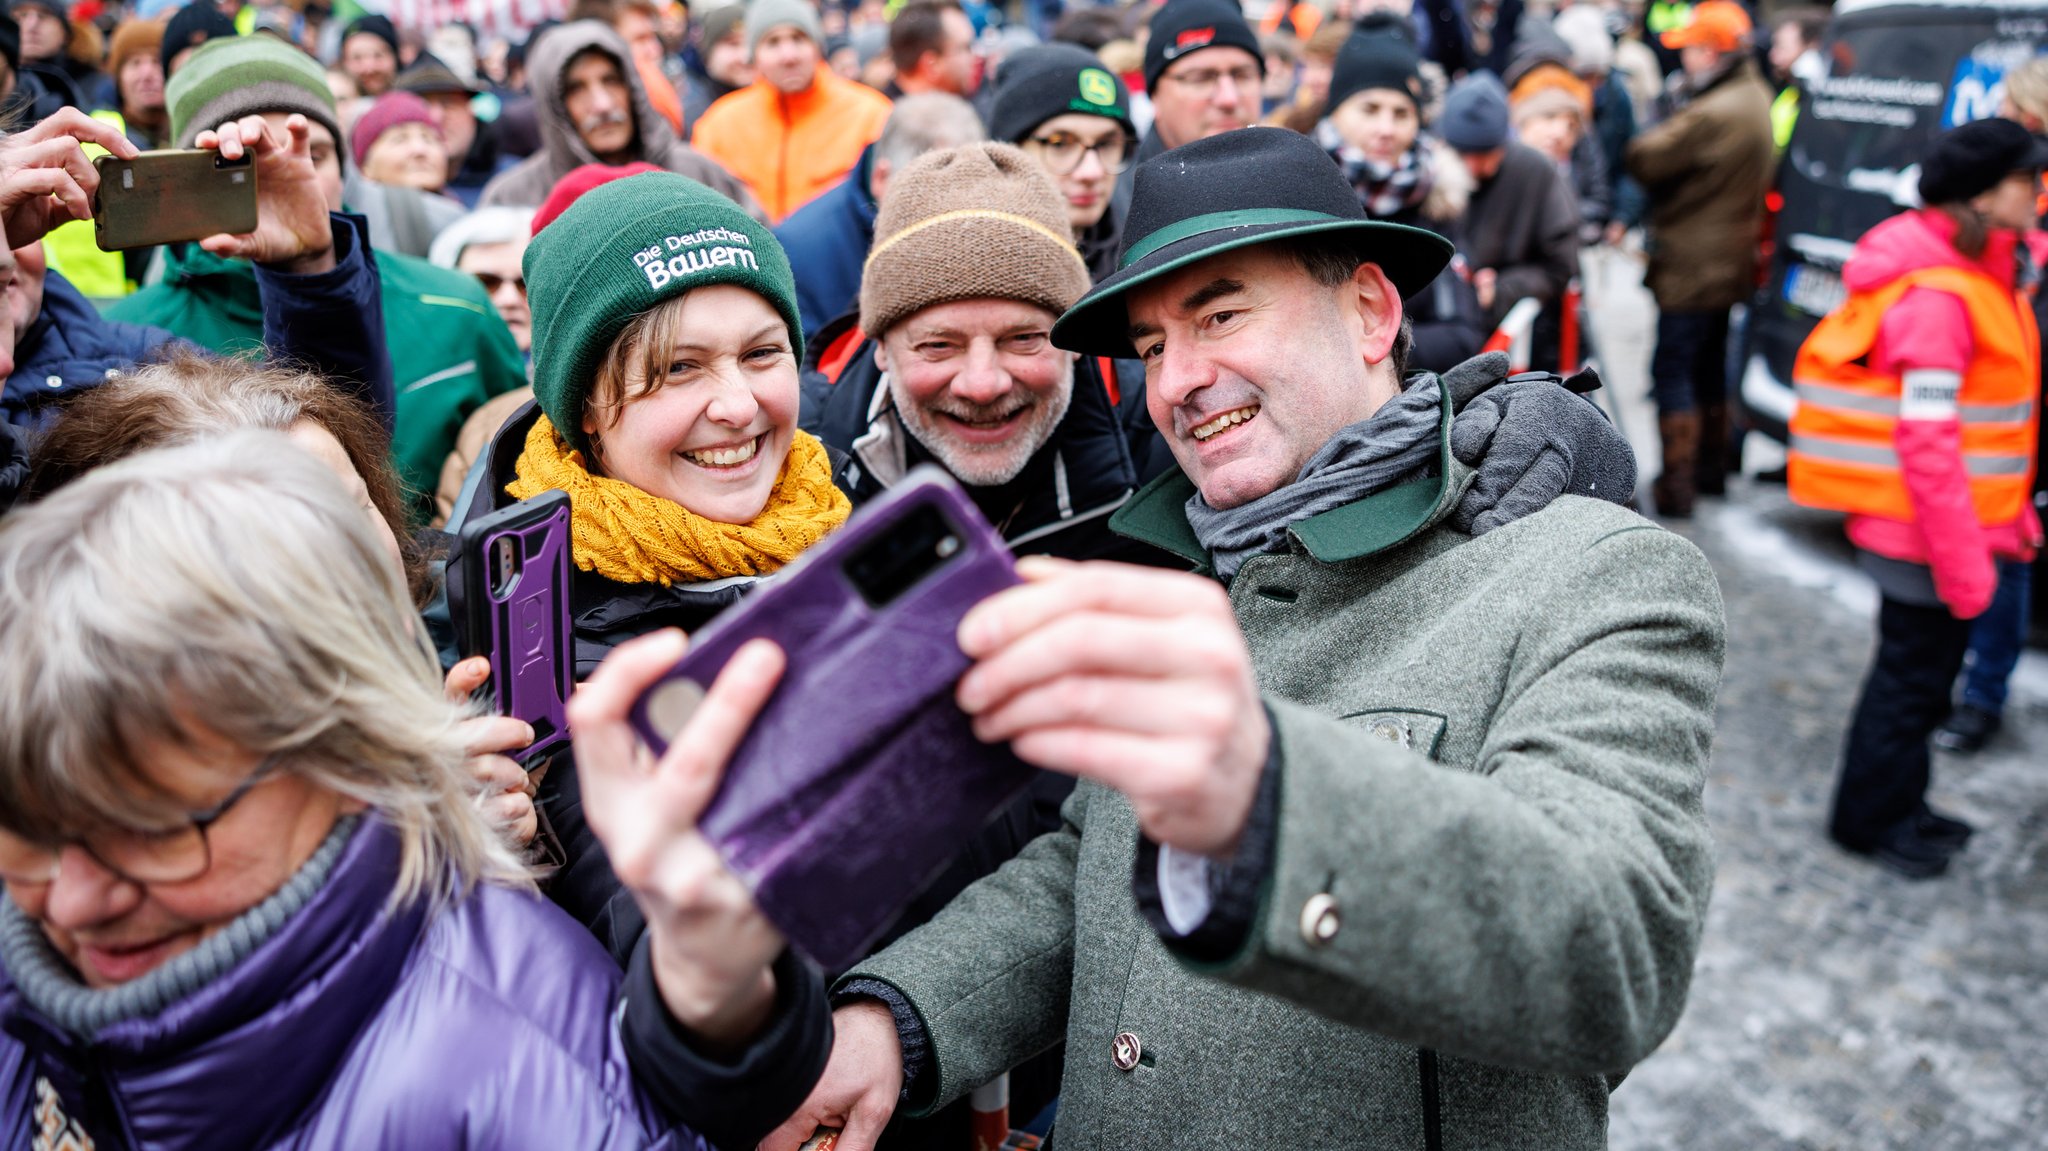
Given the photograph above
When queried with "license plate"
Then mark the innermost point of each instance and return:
(1815, 291)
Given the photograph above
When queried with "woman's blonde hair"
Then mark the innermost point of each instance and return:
(2027, 87)
(230, 587)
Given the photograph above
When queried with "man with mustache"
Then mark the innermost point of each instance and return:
(593, 110)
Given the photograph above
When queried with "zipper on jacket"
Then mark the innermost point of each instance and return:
(1432, 1106)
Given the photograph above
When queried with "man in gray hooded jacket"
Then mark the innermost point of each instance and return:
(593, 110)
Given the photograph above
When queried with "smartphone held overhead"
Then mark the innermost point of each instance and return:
(861, 779)
(172, 195)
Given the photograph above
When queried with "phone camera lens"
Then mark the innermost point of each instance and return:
(947, 546)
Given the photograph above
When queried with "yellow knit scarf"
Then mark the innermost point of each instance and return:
(625, 534)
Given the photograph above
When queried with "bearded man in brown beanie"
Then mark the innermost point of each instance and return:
(951, 361)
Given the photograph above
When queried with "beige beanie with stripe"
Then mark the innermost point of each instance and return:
(978, 221)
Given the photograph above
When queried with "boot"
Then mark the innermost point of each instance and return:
(1674, 490)
(1710, 474)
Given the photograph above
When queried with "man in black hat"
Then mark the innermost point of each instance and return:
(1389, 821)
(473, 152)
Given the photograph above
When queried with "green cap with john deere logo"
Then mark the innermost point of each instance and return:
(1098, 88)
(1049, 80)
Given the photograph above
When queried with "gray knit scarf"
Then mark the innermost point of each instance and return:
(50, 986)
(1387, 447)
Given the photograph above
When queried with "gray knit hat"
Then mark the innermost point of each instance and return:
(764, 16)
(973, 222)
(1475, 115)
(234, 76)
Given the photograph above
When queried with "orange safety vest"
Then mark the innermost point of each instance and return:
(1844, 449)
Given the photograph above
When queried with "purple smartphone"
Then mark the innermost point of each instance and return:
(861, 779)
(508, 595)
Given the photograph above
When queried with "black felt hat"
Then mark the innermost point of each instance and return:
(1230, 191)
(1971, 159)
(1049, 80)
(1185, 26)
(428, 76)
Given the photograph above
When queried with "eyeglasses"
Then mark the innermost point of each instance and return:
(140, 857)
(1203, 81)
(492, 283)
(1062, 151)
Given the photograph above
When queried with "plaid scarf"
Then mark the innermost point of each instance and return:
(1385, 190)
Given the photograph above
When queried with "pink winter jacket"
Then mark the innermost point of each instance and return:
(1928, 331)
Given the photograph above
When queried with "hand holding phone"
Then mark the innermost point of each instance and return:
(45, 177)
(292, 230)
(711, 946)
(505, 789)
(862, 779)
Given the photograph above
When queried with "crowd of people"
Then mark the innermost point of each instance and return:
(1370, 721)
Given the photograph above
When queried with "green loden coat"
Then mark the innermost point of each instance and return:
(1491, 753)
(450, 352)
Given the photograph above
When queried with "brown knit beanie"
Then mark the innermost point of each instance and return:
(978, 221)
(133, 38)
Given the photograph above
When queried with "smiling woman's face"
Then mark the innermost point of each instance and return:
(712, 432)
(114, 930)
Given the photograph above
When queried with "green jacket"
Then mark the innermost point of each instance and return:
(449, 350)
(1491, 753)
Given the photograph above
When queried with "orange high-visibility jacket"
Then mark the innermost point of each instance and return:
(1844, 453)
(791, 149)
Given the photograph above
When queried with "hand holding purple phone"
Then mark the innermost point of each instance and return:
(504, 789)
(712, 947)
(862, 780)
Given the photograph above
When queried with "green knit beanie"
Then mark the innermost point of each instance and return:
(234, 76)
(619, 250)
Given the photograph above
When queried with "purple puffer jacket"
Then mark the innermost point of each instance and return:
(490, 1025)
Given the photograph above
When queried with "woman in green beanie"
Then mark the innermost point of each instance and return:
(666, 342)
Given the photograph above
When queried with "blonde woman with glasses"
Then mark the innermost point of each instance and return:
(248, 900)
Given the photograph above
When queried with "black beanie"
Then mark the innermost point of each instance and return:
(1049, 80)
(1184, 26)
(193, 25)
(376, 25)
(10, 42)
(1970, 160)
(1376, 56)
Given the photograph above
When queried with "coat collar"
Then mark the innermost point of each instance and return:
(286, 1017)
(1157, 515)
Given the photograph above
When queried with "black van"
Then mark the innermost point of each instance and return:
(1900, 71)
